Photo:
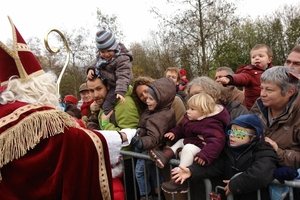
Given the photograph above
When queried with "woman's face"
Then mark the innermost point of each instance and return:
(142, 93)
(271, 96)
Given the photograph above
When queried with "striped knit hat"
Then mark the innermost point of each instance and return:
(105, 40)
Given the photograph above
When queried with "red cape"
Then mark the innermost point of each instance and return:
(64, 162)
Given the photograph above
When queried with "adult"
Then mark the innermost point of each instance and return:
(174, 74)
(293, 59)
(236, 94)
(126, 117)
(219, 93)
(222, 96)
(139, 94)
(86, 99)
(44, 152)
(279, 108)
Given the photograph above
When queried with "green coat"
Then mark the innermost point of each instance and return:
(126, 115)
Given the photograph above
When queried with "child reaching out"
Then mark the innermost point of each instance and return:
(248, 76)
(201, 136)
(246, 164)
(114, 63)
(157, 119)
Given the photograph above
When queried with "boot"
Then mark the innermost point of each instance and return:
(172, 187)
(161, 158)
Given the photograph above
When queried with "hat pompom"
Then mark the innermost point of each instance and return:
(105, 40)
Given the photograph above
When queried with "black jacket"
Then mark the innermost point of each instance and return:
(257, 164)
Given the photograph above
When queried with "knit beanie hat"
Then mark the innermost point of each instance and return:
(105, 40)
(71, 99)
(250, 121)
(152, 93)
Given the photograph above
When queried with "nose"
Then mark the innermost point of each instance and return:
(262, 93)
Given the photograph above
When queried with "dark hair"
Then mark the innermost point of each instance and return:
(97, 74)
(142, 80)
(72, 110)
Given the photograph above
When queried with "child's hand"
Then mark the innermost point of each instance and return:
(123, 101)
(224, 80)
(170, 135)
(180, 174)
(226, 188)
(106, 117)
(272, 143)
(200, 161)
(90, 74)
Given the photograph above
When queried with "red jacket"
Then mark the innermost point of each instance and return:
(247, 76)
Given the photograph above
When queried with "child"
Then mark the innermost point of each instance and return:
(204, 122)
(158, 118)
(248, 76)
(183, 80)
(114, 64)
(247, 157)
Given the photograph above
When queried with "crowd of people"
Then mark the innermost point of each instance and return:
(231, 130)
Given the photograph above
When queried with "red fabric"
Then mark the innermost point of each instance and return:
(85, 108)
(64, 166)
(71, 99)
(28, 63)
(248, 76)
(182, 72)
(119, 192)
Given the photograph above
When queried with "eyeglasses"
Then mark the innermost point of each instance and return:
(240, 134)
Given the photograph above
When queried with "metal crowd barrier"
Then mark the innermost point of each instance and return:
(208, 185)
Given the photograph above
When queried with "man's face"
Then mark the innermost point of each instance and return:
(98, 90)
(173, 75)
(219, 75)
(293, 61)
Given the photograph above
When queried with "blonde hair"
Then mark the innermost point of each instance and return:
(260, 46)
(173, 69)
(203, 103)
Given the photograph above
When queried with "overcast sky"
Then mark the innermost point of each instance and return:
(34, 17)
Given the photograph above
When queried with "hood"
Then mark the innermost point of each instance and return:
(165, 91)
(251, 121)
(125, 51)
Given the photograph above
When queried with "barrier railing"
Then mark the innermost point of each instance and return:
(208, 185)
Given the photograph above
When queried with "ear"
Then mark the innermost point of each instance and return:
(108, 87)
(270, 60)
(290, 92)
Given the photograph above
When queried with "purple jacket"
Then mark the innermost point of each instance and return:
(212, 128)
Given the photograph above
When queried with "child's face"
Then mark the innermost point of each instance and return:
(239, 135)
(107, 54)
(151, 102)
(260, 57)
(173, 76)
(193, 113)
